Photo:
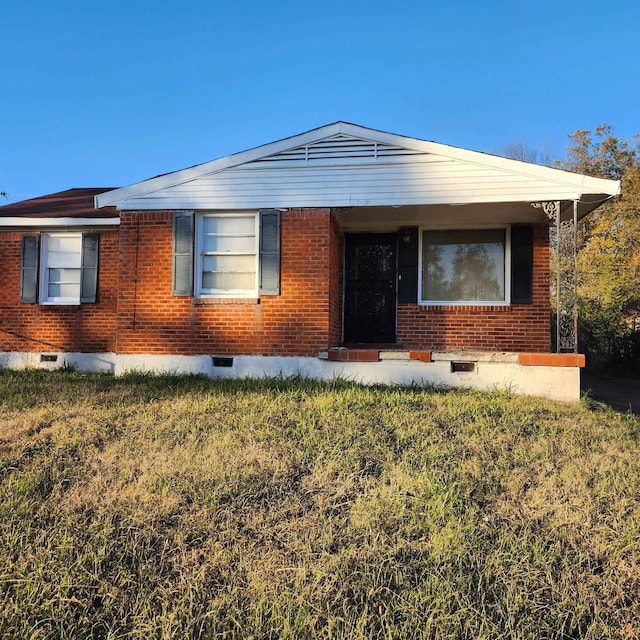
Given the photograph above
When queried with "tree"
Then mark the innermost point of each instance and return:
(474, 274)
(518, 150)
(609, 243)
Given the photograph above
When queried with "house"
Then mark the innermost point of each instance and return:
(340, 251)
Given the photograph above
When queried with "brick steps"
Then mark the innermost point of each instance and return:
(342, 354)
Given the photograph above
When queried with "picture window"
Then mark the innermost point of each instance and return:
(464, 266)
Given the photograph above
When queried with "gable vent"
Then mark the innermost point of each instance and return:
(339, 147)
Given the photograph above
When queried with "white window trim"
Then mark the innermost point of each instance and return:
(43, 284)
(468, 303)
(246, 293)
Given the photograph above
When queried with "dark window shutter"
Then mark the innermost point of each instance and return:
(29, 269)
(408, 264)
(521, 265)
(270, 253)
(89, 281)
(182, 279)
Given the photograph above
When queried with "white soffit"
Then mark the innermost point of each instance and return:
(347, 165)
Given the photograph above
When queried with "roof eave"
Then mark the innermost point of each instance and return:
(47, 222)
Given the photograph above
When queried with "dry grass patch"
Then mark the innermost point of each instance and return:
(165, 507)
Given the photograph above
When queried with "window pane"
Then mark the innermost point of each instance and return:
(62, 259)
(463, 266)
(228, 282)
(229, 244)
(229, 263)
(70, 243)
(71, 291)
(62, 276)
(242, 225)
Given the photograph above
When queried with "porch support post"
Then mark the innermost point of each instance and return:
(558, 278)
(565, 248)
(575, 275)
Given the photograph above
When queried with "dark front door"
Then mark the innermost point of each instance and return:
(370, 287)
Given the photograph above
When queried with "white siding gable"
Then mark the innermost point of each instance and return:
(345, 165)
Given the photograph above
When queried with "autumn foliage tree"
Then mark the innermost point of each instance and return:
(609, 243)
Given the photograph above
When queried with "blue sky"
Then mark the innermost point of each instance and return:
(112, 93)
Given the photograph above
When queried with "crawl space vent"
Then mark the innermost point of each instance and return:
(222, 361)
(463, 367)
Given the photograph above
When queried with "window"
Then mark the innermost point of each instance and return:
(227, 255)
(467, 266)
(236, 254)
(61, 268)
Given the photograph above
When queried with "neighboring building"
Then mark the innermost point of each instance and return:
(340, 251)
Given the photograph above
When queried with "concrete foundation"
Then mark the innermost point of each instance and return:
(483, 371)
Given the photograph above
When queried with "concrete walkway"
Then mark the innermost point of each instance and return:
(621, 394)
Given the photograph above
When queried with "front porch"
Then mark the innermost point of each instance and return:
(551, 375)
(391, 352)
(457, 296)
(442, 278)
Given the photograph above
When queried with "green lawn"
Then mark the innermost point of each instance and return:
(144, 507)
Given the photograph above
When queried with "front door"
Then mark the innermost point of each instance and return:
(370, 287)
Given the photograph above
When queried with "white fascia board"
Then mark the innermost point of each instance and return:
(588, 183)
(585, 184)
(58, 222)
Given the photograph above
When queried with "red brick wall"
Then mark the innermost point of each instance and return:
(521, 327)
(88, 328)
(151, 320)
(305, 318)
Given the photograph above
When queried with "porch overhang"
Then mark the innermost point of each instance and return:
(360, 219)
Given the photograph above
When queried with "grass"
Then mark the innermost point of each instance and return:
(168, 507)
